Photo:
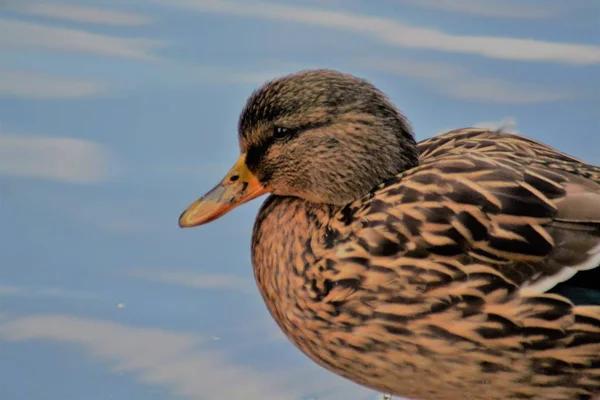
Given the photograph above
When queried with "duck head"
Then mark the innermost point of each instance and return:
(319, 135)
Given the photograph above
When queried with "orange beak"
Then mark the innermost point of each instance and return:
(239, 186)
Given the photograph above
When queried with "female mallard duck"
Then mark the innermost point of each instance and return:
(458, 267)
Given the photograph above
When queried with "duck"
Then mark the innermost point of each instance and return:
(461, 266)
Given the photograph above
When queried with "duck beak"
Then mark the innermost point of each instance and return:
(239, 186)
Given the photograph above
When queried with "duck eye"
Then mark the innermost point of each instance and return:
(281, 133)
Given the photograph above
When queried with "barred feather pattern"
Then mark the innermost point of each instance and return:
(435, 285)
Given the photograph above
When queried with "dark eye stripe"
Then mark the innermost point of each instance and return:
(255, 154)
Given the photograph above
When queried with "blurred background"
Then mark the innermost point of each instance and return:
(115, 115)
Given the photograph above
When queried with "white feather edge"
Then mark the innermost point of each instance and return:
(566, 273)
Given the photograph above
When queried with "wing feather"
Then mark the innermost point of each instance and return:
(521, 207)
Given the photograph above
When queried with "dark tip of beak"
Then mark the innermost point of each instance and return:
(179, 220)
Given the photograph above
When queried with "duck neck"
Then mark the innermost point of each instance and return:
(283, 226)
(287, 243)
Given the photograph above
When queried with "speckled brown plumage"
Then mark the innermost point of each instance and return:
(452, 278)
